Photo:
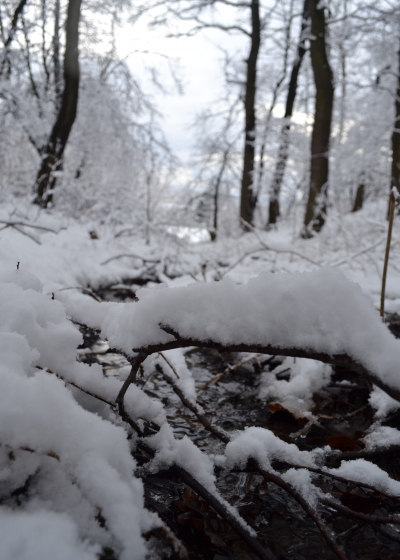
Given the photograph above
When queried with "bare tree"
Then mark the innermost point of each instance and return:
(53, 154)
(277, 179)
(13, 27)
(248, 199)
(395, 168)
(316, 205)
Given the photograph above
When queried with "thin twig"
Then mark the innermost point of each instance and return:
(13, 224)
(393, 519)
(169, 363)
(136, 363)
(132, 256)
(229, 369)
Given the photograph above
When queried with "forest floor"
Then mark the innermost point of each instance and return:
(232, 388)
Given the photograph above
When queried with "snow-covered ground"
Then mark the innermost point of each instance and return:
(71, 451)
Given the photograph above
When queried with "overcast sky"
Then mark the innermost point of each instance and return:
(199, 66)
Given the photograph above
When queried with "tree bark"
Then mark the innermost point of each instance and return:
(7, 43)
(52, 159)
(359, 198)
(248, 198)
(274, 210)
(214, 231)
(395, 169)
(56, 55)
(316, 206)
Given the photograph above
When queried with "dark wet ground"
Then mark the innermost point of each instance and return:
(280, 522)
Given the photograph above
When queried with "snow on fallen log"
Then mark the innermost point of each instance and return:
(319, 315)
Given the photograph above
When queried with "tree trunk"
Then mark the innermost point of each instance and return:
(56, 55)
(395, 170)
(359, 199)
(52, 159)
(274, 210)
(248, 198)
(7, 43)
(316, 206)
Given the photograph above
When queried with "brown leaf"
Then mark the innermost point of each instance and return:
(344, 443)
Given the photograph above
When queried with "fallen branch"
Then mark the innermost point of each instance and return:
(342, 360)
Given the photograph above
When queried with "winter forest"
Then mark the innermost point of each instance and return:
(199, 279)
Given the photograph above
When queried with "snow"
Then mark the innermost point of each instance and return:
(39, 414)
(380, 437)
(368, 473)
(41, 536)
(382, 403)
(264, 446)
(305, 378)
(76, 449)
(183, 452)
(319, 311)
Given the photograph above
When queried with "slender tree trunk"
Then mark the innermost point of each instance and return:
(214, 231)
(248, 199)
(277, 179)
(56, 55)
(395, 169)
(316, 206)
(7, 43)
(52, 159)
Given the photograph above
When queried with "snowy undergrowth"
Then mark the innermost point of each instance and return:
(71, 453)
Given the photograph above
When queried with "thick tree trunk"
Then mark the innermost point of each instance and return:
(52, 159)
(316, 206)
(395, 170)
(274, 210)
(248, 198)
